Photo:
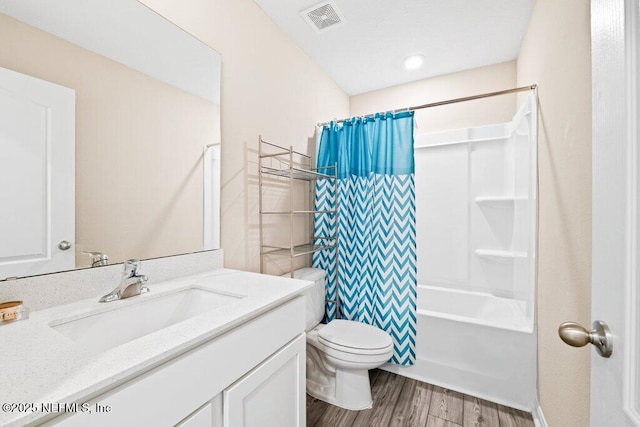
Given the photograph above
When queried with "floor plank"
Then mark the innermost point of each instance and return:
(315, 409)
(510, 417)
(331, 415)
(412, 408)
(447, 404)
(335, 416)
(385, 393)
(480, 413)
(400, 401)
(439, 422)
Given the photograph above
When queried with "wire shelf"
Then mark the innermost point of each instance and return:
(298, 212)
(296, 173)
(298, 250)
(283, 164)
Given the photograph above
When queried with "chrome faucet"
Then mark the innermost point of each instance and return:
(98, 259)
(131, 284)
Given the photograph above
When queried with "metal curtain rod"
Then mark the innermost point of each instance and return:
(450, 101)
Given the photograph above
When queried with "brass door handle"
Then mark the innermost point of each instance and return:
(577, 335)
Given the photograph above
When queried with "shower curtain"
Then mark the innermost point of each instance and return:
(375, 276)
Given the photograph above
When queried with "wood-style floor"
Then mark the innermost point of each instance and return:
(400, 401)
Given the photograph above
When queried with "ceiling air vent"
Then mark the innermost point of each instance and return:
(323, 15)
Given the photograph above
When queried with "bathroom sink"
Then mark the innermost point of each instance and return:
(106, 330)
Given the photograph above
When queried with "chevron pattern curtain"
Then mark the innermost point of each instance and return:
(375, 276)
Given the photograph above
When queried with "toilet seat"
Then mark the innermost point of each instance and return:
(347, 336)
(357, 358)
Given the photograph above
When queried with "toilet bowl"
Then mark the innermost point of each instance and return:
(340, 353)
(339, 357)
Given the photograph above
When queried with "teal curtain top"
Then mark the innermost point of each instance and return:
(382, 144)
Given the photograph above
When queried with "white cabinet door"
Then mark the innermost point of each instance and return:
(37, 176)
(203, 417)
(273, 394)
(210, 415)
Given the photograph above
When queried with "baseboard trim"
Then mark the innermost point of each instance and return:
(538, 416)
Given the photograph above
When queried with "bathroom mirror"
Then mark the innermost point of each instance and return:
(109, 136)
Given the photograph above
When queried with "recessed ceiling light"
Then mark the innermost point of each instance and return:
(413, 62)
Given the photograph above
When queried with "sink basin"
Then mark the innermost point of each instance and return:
(103, 331)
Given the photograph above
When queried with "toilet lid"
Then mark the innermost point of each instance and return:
(350, 334)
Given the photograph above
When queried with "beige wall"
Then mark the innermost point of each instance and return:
(138, 147)
(269, 87)
(471, 82)
(556, 55)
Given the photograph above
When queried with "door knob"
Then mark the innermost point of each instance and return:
(64, 245)
(577, 335)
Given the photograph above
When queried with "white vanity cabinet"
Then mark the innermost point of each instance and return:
(252, 375)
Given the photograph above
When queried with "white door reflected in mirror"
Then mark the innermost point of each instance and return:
(147, 104)
(37, 176)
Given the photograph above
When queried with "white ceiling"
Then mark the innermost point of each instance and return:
(368, 52)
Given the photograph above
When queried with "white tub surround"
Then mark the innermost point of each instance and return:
(476, 201)
(261, 325)
(476, 204)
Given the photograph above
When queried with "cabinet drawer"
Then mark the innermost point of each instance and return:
(167, 394)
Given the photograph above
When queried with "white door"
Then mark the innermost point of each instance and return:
(615, 381)
(37, 176)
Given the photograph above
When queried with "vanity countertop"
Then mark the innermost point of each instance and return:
(40, 365)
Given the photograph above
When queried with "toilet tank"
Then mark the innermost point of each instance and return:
(315, 295)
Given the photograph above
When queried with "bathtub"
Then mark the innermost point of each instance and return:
(475, 343)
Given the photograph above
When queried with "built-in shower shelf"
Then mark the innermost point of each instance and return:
(503, 201)
(465, 140)
(500, 256)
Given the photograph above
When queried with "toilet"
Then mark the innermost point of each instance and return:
(340, 353)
